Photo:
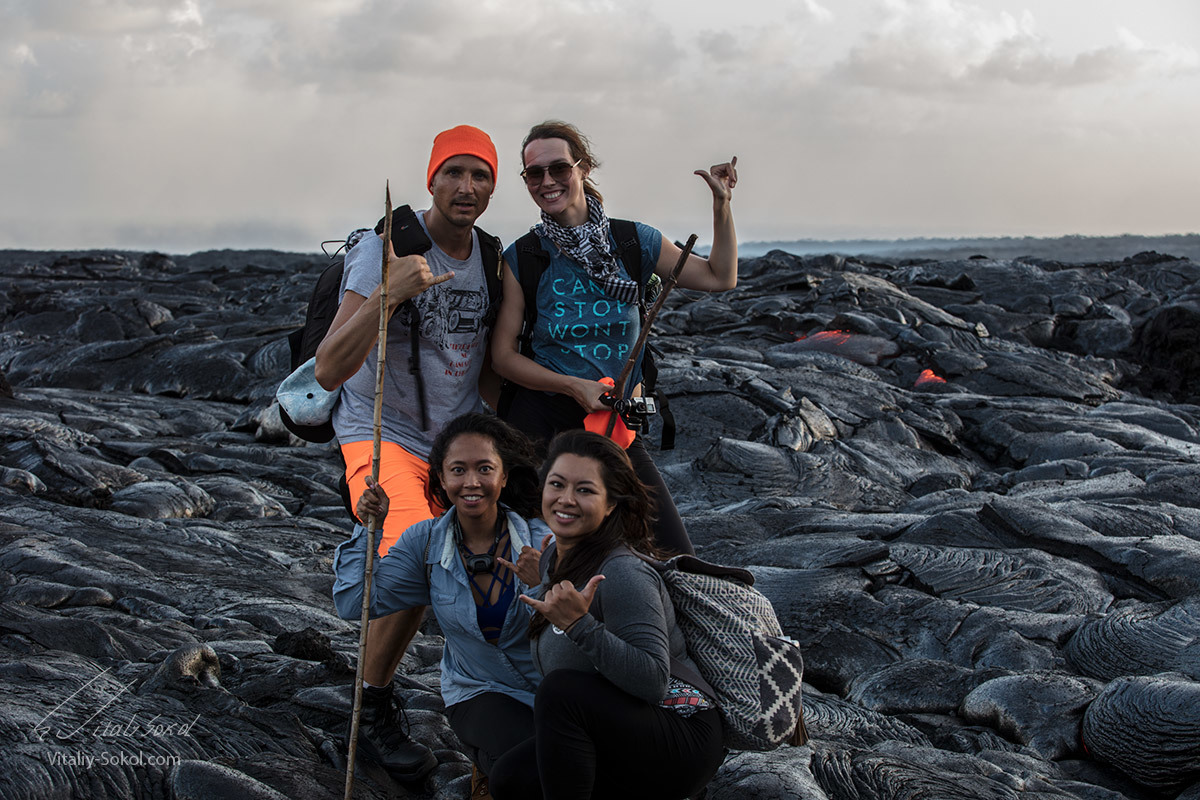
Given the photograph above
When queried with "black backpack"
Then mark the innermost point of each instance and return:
(532, 261)
(323, 306)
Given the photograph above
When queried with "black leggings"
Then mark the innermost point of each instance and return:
(490, 725)
(540, 416)
(594, 740)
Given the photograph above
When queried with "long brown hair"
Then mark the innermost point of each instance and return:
(577, 143)
(628, 524)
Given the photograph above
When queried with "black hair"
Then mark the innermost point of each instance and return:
(522, 492)
(628, 524)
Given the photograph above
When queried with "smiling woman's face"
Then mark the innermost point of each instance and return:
(560, 199)
(473, 474)
(574, 498)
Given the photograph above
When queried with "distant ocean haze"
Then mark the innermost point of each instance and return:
(1061, 248)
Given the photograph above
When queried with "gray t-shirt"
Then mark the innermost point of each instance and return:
(452, 347)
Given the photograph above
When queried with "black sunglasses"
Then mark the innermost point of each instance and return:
(559, 171)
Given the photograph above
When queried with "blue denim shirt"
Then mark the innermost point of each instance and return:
(470, 666)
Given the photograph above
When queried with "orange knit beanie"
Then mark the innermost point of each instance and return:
(463, 140)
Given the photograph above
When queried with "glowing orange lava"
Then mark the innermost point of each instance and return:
(835, 337)
(926, 377)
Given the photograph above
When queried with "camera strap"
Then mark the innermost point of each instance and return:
(469, 556)
(480, 566)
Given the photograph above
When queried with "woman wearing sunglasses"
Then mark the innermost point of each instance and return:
(587, 318)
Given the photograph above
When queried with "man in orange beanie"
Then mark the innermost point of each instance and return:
(451, 297)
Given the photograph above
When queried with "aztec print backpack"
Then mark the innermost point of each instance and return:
(734, 637)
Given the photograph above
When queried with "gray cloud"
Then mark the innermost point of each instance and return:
(146, 123)
(71, 56)
(97, 18)
(548, 47)
(938, 45)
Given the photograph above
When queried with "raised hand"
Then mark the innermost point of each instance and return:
(721, 178)
(408, 276)
(562, 605)
(526, 567)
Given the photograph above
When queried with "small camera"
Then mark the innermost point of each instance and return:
(634, 411)
(641, 406)
(479, 563)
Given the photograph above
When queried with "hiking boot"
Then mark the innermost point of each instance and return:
(479, 785)
(383, 737)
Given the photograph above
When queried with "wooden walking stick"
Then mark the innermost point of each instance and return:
(631, 362)
(372, 522)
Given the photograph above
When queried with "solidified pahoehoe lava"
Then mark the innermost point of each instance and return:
(1142, 639)
(971, 489)
(1149, 727)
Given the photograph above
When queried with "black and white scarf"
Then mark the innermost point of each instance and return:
(588, 245)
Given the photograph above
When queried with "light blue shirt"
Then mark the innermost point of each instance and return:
(470, 666)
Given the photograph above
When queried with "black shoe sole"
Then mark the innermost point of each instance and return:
(424, 768)
(412, 776)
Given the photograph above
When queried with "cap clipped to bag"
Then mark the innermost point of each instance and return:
(304, 399)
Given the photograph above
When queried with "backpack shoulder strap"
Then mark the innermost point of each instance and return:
(698, 566)
(629, 249)
(532, 260)
(490, 250)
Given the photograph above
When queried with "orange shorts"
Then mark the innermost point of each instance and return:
(405, 479)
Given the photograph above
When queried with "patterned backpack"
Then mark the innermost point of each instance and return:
(734, 637)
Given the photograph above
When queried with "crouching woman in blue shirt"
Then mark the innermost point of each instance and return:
(470, 565)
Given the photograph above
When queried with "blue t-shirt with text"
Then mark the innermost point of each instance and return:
(580, 330)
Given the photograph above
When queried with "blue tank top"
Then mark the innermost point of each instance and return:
(491, 615)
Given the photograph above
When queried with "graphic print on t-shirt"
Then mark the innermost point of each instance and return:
(451, 325)
(585, 320)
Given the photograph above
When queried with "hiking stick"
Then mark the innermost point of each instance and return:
(627, 370)
(372, 522)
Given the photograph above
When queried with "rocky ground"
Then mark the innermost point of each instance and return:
(971, 489)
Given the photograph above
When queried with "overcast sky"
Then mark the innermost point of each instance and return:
(196, 124)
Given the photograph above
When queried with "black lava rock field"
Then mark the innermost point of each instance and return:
(971, 488)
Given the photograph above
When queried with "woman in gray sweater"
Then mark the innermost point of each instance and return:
(622, 710)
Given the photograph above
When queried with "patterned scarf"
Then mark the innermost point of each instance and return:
(588, 245)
